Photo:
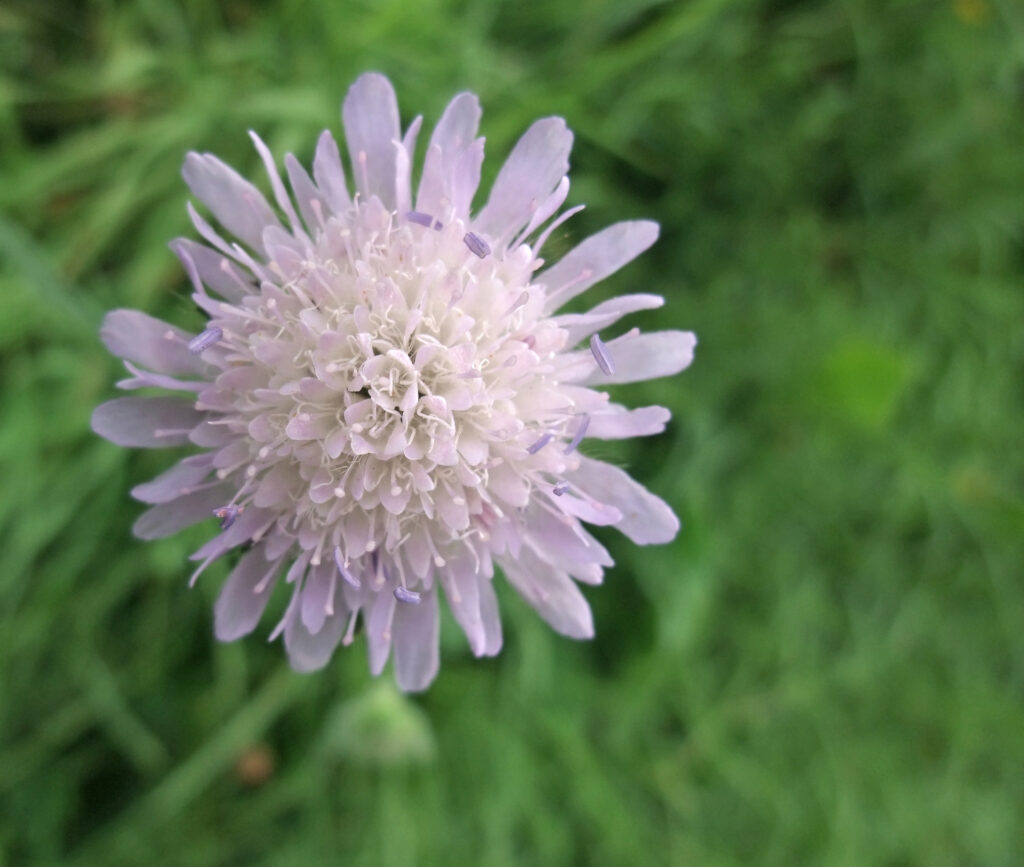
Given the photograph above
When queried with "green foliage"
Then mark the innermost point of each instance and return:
(827, 667)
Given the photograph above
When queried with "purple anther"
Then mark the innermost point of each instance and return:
(348, 577)
(422, 219)
(537, 446)
(403, 594)
(581, 431)
(560, 489)
(204, 341)
(601, 356)
(228, 515)
(477, 245)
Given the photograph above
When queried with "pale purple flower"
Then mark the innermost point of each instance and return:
(384, 398)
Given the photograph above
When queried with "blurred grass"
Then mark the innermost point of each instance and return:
(826, 668)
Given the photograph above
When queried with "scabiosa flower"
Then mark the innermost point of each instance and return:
(385, 401)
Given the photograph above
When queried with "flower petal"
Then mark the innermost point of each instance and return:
(214, 269)
(305, 193)
(622, 423)
(417, 630)
(490, 617)
(404, 153)
(532, 171)
(238, 206)
(134, 336)
(461, 587)
(244, 596)
(321, 587)
(544, 210)
(562, 543)
(146, 422)
(175, 482)
(280, 193)
(582, 325)
(329, 174)
(596, 258)
(370, 116)
(552, 593)
(308, 652)
(378, 617)
(250, 525)
(646, 519)
(453, 138)
(166, 519)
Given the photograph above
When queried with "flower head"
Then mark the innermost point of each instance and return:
(385, 401)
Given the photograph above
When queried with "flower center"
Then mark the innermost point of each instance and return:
(389, 369)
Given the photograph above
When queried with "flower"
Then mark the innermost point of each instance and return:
(386, 403)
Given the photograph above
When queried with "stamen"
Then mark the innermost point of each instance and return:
(601, 356)
(228, 515)
(350, 631)
(537, 446)
(581, 431)
(339, 561)
(422, 219)
(560, 489)
(403, 594)
(477, 245)
(204, 341)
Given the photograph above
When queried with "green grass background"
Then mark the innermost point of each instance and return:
(827, 667)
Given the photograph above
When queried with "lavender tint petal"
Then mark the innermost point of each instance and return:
(216, 271)
(175, 482)
(403, 166)
(489, 617)
(460, 584)
(448, 169)
(238, 206)
(239, 606)
(417, 632)
(284, 202)
(379, 616)
(320, 584)
(582, 325)
(146, 379)
(308, 652)
(329, 174)
(306, 194)
(166, 519)
(646, 519)
(532, 171)
(552, 593)
(563, 543)
(146, 422)
(620, 423)
(546, 209)
(370, 115)
(134, 336)
(248, 524)
(596, 258)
